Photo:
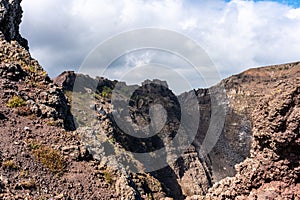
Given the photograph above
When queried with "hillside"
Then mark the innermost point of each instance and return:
(64, 142)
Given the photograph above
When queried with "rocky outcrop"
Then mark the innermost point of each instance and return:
(23, 77)
(39, 158)
(10, 19)
(272, 170)
(256, 155)
(193, 174)
(71, 81)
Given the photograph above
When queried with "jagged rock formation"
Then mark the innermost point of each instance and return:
(67, 79)
(41, 157)
(193, 174)
(10, 19)
(273, 169)
(22, 76)
(107, 143)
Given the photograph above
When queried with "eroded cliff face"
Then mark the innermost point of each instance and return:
(242, 97)
(256, 155)
(272, 169)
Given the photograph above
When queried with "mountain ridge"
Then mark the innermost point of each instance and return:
(48, 152)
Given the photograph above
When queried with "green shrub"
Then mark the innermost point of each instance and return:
(32, 68)
(108, 177)
(106, 91)
(15, 102)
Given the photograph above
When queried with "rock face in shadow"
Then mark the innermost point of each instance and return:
(10, 19)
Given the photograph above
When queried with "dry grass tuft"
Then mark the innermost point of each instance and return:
(50, 158)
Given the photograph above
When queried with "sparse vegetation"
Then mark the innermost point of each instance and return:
(26, 184)
(34, 145)
(68, 94)
(112, 140)
(15, 102)
(108, 177)
(43, 73)
(32, 69)
(54, 123)
(23, 173)
(50, 158)
(10, 164)
(51, 123)
(97, 96)
(31, 83)
(150, 196)
(106, 91)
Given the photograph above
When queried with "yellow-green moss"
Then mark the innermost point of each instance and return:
(108, 177)
(34, 145)
(15, 102)
(106, 91)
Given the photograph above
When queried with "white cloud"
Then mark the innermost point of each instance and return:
(236, 35)
(136, 61)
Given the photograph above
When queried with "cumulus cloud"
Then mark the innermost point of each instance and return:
(236, 34)
(151, 64)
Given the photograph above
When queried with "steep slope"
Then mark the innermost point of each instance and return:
(193, 173)
(42, 156)
(39, 157)
(273, 168)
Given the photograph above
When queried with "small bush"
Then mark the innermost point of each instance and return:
(112, 140)
(10, 164)
(97, 96)
(68, 95)
(23, 173)
(108, 177)
(106, 91)
(54, 123)
(15, 102)
(50, 158)
(150, 196)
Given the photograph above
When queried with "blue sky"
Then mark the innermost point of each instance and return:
(236, 34)
(293, 3)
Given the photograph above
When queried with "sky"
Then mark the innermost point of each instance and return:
(236, 35)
